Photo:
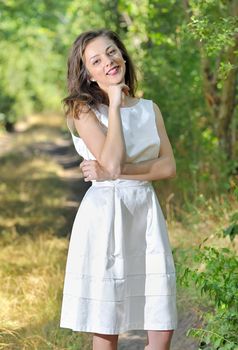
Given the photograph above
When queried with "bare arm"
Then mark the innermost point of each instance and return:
(154, 169)
(108, 149)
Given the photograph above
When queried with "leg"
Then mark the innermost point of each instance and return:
(159, 340)
(105, 341)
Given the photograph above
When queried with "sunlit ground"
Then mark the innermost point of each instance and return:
(34, 223)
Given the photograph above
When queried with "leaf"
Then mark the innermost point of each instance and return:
(231, 231)
(217, 343)
(234, 217)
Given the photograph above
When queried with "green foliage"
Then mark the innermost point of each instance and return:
(30, 65)
(232, 230)
(163, 38)
(214, 32)
(215, 274)
(215, 26)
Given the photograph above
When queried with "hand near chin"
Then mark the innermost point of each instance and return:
(116, 94)
(92, 170)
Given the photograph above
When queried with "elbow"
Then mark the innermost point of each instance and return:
(172, 171)
(113, 170)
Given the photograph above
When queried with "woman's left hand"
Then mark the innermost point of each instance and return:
(92, 170)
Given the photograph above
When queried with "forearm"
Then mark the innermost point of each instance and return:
(113, 154)
(153, 169)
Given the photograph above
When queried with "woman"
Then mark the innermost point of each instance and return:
(120, 272)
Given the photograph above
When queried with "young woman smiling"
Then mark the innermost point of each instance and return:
(120, 273)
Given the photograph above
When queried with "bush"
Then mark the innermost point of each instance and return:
(215, 274)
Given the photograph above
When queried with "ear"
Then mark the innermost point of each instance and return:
(92, 79)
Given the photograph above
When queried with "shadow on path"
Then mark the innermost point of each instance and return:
(136, 340)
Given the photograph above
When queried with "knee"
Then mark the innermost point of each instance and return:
(105, 335)
(159, 340)
(105, 341)
(108, 337)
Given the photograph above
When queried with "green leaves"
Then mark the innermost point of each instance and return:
(215, 33)
(232, 230)
(164, 39)
(215, 274)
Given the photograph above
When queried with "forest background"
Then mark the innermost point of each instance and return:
(186, 55)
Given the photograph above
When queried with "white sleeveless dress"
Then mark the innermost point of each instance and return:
(120, 272)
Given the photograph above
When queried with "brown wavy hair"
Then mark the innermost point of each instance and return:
(82, 91)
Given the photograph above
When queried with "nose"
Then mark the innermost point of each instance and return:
(107, 60)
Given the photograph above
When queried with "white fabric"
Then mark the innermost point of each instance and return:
(120, 272)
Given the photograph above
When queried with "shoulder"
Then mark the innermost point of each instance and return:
(150, 105)
(85, 114)
(156, 109)
(81, 111)
(158, 115)
(154, 105)
(84, 118)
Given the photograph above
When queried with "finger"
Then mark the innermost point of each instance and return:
(87, 173)
(89, 177)
(88, 168)
(91, 163)
(86, 163)
(83, 168)
(126, 89)
(125, 86)
(123, 98)
(83, 163)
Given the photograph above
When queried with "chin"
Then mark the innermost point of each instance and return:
(119, 78)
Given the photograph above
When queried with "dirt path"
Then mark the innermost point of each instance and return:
(136, 340)
(60, 148)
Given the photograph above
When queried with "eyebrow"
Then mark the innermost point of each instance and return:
(105, 50)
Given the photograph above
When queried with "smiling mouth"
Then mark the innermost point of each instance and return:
(113, 70)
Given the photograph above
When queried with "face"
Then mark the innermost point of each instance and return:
(104, 62)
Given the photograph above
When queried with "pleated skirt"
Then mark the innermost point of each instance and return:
(120, 273)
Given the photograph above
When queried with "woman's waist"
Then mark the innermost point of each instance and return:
(121, 183)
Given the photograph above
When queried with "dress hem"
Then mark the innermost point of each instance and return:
(131, 327)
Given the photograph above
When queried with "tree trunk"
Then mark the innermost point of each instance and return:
(227, 106)
(221, 104)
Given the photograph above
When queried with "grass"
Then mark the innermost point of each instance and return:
(35, 223)
(32, 271)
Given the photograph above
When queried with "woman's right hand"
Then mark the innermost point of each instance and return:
(116, 94)
(92, 170)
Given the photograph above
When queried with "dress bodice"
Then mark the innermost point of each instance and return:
(139, 128)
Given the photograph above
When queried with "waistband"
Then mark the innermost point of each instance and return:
(121, 183)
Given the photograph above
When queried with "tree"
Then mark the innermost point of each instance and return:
(215, 26)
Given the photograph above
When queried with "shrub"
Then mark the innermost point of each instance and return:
(215, 274)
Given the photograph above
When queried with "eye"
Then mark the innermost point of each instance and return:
(111, 52)
(96, 62)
